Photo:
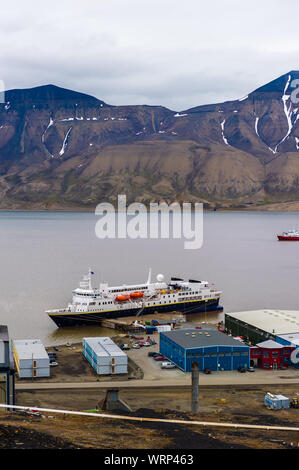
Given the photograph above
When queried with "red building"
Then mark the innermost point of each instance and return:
(270, 355)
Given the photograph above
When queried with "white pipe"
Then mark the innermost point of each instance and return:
(160, 420)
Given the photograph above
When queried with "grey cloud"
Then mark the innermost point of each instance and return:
(171, 53)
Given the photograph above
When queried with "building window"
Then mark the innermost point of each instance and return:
(265, 354)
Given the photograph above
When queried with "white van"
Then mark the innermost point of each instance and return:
(168, 365)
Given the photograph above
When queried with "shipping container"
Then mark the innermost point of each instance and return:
(276, 402)
(105, 356)
(31, 358)
(163, 328)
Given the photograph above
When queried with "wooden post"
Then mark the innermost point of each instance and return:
(195, 376)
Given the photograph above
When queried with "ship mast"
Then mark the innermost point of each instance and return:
(149, 276)
(89, 279)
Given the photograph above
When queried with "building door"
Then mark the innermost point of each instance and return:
(274, 366)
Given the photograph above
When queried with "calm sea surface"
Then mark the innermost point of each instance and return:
(44, 254)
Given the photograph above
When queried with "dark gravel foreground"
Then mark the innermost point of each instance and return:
(22, 438)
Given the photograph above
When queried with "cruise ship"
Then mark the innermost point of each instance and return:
(90, 305)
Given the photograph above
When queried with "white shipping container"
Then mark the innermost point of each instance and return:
(161, 328)
(31, 358)
(119, 360)
(106, 355)
(29, 373)
(103, 370)
(122, 369)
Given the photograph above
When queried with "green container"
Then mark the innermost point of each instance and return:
(147, 322)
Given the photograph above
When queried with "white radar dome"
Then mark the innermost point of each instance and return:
(160, 278)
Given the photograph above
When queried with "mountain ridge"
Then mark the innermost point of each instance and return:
(62, 148)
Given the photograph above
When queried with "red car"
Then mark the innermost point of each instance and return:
(160, 358)
(138, 337)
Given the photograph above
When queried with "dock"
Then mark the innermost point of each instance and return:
(131, 324)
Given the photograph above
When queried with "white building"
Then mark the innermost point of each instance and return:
(105, 356)
(31, 358)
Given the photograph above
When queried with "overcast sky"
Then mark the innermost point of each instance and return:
(171, 52)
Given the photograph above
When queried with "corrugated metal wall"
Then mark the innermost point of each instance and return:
(211, 357)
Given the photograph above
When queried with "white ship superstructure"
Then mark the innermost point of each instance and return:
(92, 304)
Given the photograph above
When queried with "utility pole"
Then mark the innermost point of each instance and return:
(195, 376)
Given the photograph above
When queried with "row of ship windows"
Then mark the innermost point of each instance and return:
(152, 303)
(188, 293)
(131, 289)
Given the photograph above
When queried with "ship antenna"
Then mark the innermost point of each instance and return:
(149, 276)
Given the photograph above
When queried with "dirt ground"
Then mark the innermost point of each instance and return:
(223, 403)
(73, 367)
(242, 405)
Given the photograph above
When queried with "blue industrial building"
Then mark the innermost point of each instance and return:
(210, 348)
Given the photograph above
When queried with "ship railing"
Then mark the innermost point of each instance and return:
(59, 310)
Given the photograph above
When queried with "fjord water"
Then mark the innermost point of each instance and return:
(44, 254)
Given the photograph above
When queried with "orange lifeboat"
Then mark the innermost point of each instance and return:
(136, 295)
(122, 298)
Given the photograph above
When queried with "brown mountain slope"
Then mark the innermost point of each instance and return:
(60, 148)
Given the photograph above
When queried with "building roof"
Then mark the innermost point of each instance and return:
(193, 338)
(104, 346)
(269, 344)
(4, 333)
(292, 338)
(275, 322)
(30, 349)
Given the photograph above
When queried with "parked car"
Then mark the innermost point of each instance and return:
(52, 355)
(168, 365)
(160, 358)
(124, 346)
(250, 369)
(241, 369)
(151, 354)
(146, 343)
(138, 337)
(207, 371)
(53, 363)
(136, 346)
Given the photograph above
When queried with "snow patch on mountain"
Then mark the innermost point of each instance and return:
(287, 110)
(65, 142)
(222, 132)
(49, 125)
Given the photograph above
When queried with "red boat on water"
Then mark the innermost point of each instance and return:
(291, 235)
